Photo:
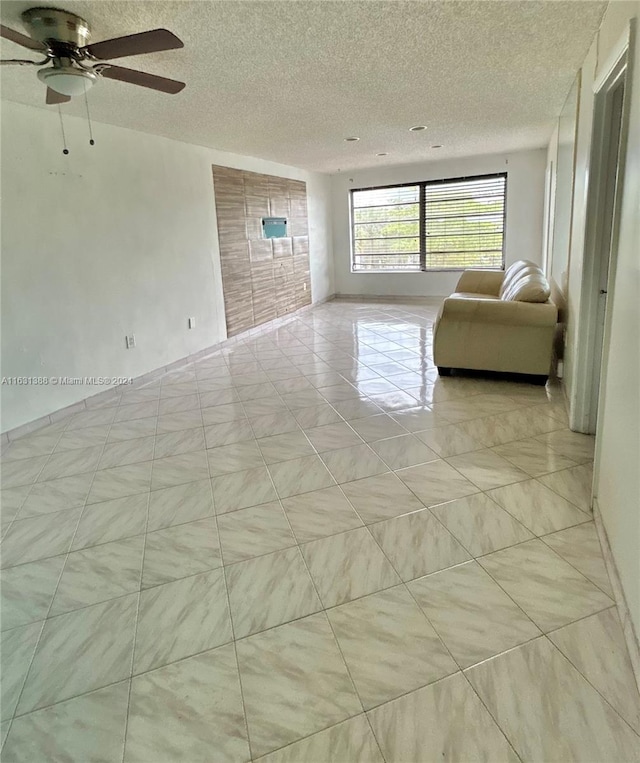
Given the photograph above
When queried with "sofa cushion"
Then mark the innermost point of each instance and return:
(513, 272)
(529, 287)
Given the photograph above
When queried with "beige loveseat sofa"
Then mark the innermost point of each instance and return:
(497, 321)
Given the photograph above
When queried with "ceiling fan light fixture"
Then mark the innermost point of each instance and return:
(68, 81)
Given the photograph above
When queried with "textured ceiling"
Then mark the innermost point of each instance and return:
(289, 80)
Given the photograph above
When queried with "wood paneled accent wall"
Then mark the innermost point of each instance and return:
(262, 278)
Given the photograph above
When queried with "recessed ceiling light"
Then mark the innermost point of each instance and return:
(352, 139)
(437, 146)
(383, 153)
(418, 128)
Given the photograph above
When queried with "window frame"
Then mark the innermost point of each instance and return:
(422, 186)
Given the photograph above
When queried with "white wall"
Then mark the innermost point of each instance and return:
(525, 204)
(109, 240)
(616, 473)
(617, 480)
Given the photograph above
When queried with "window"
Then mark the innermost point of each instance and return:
(435, 225)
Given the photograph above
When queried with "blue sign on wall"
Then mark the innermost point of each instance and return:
(274, 227)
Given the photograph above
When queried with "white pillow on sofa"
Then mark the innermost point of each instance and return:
(530, 287)
(513, 273)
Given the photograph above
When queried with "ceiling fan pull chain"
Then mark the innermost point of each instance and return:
(65, 150)
(86, 103)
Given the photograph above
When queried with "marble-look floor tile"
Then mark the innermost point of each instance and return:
(178, 470)
(507, 427)
(320, 513)
(537, 507)
(388, 645)
(17, 647)
(357, 408)
(547, 710)
(534, 457)
(480, 524)
(580, 547)
(27, 591)
(448, 441)
(22, 472)
(574, 445)
(111, 521)
(254, 531)
(190, 711)
(316, 416)
(548, 589)
(333, 436)
(377, 427)
(92, 418)
(227, 433)
(347, 566)
(294, 682)
(285, 447)
(574, 484)
(132, 411)
(269, 591)
(31, 446)
(177, 422)
(597, 648)
(81, 651)
(220, 414)
(234, 458)
(350, 740)
(472, 615)
(442, 722)
(175, 443)
(11, 500)
(272, 424)
(89, 728)
(381, 497)
(353, 463)
(405, 450)
(179, 551)
(180, 504)
(419, 418)
(57, 495)
(417, 544)
(132, 430)
(180, 619)
(179, 404)
(99, 573)
(70, 462)
(241, 490)
(119, 482)
(28, 540)
(300, 475)
(436, 482)
(486, 469)
(127, 452)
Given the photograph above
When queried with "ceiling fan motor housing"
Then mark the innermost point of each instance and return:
(51, 24)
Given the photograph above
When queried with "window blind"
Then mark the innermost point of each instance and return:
(434, 225)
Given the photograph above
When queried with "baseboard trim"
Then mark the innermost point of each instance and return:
(100, 398)
(628, 628)
(389, 298)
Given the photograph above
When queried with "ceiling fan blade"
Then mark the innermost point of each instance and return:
(135, 44)
(21, 39)
(53, 97)
(142, 78)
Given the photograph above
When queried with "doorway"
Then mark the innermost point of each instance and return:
(603, 208)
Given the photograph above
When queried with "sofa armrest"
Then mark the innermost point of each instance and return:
(481, 281)
(500, 312)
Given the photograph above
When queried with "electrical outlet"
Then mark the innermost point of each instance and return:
(192, 323)
(131, 341)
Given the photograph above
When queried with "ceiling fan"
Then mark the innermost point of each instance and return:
(76, 65)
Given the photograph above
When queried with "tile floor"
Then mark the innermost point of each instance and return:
(310, 548)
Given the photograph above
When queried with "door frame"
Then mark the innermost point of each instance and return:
(615, 71)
